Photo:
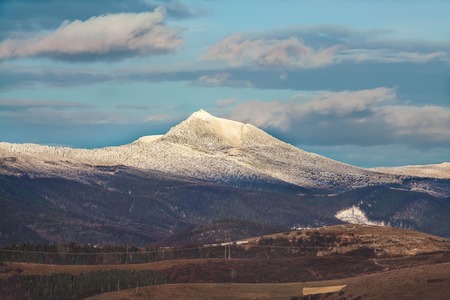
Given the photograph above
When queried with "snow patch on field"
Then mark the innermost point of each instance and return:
(354, 215)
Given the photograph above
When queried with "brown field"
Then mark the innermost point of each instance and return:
(421, 282)
(10, 269)
(245, 270)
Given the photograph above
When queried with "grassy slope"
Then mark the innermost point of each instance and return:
(422, 282)
(9, 269)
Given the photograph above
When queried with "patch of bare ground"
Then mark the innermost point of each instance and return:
(421, 282)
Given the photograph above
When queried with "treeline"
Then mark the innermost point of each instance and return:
(74, 254)
(311, 239)
(67, 286)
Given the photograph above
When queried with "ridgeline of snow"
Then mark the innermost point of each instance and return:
(441, 171)
(148, 139)
(202, 146)
(354, 215)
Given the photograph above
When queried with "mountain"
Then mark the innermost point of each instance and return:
(204, 171)
(203, 147)
(441, 171)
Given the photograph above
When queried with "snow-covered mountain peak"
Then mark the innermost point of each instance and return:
(201, 114)
(207, 132)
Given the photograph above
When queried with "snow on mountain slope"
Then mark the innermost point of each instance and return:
(202, 146)
(441, 171)
(354, 215)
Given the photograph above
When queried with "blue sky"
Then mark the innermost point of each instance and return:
(363, 82)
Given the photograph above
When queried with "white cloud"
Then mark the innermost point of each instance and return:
(105, 36)
(300, 49)
(213, 80)
(273, 114)
(365, 117)
(291, 52)
(390, 55)
(346, 102)
(220, 79)
(279, 114)
(428, 121)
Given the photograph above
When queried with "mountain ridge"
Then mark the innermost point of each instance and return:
(204, 147)
(441, 171)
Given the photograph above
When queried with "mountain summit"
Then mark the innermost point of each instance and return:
(209, 133)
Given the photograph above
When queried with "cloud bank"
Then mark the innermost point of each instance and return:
(237, 50)
(363, 118)
(111, 36)
(321, 46)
